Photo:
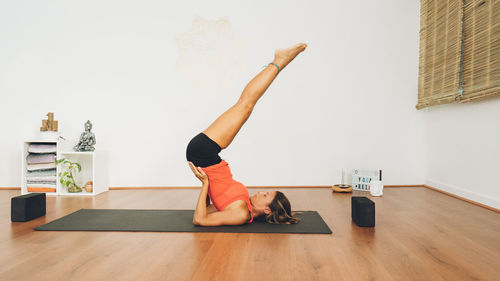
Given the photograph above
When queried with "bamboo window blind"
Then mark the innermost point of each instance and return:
(459, 51)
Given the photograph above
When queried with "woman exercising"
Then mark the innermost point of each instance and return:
(231, 202)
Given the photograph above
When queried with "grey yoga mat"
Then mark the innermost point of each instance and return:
(173, 221)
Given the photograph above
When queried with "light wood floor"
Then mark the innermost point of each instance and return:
(420, 234)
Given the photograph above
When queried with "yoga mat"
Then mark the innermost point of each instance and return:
(173, 221)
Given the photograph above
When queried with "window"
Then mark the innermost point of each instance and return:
(459, 51)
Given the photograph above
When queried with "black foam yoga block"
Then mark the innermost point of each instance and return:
(363, 211)
(27, 207)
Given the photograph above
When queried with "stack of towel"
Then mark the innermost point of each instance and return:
(41, 175)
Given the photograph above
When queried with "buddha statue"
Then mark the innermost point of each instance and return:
(87, 139)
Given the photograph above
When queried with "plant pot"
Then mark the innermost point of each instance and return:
(89, 186)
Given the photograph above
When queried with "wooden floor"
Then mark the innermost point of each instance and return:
(420, 234)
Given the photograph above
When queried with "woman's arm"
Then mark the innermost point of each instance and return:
(201, 206)
(226, 217)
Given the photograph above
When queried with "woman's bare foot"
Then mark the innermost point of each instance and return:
(282, 57)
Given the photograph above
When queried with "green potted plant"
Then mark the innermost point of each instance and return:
(67, 177)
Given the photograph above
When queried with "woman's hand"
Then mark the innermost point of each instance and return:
(198, 172)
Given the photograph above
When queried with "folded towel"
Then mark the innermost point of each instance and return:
(42, 173)
(45, 166)
(40, 182)
(41, 189)
(39, 179)
(41, 158)
(42, 147)
(43, 185)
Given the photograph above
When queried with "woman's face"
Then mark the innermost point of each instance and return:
(262, 199)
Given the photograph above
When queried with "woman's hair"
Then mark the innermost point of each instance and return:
(281, 211)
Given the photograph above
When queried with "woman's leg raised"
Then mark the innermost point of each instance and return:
(224, 129)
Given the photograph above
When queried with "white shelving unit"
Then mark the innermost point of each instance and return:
(93, 169)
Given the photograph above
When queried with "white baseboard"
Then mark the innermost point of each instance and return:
(462, 192)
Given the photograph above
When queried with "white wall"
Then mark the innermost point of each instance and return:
(348, 101)
(463, 150)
